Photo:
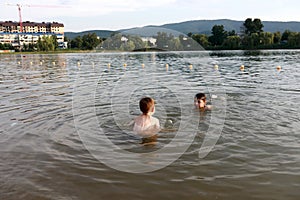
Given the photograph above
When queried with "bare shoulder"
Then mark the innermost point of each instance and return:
(138, 118)
(156, 120)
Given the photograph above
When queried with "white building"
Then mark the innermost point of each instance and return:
(31, 32)
(151, 40)
(19, 39)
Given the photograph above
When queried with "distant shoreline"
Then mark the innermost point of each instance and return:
(147, 50)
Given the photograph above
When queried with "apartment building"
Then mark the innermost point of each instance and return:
(10, 32)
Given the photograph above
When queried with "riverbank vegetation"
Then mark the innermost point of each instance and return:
(250, 37)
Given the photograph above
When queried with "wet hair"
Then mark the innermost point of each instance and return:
(200, 96)
(146, 104)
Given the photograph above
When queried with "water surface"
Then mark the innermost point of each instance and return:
(43, 155)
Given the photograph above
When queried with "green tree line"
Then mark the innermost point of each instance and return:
(252, 36)
(86, 42)
(164, 41)
(49, 43)
(6, 46)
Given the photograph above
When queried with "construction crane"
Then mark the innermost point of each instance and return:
(27, 5)
(20, 15)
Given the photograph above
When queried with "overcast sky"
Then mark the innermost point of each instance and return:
(80, 15)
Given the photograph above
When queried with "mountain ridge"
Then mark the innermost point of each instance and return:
(202, 27)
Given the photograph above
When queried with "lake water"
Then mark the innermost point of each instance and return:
(65, 133)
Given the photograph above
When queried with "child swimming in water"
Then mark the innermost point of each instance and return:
(200, 102)
(145, 125)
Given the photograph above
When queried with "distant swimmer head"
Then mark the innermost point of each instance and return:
(278, 68)
(200, 100)
(242, 67)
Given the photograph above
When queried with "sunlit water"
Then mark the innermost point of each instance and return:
(47, 125)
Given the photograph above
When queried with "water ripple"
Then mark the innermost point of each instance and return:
(256, 157)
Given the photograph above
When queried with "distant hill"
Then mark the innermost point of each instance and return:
(100, 33)
(203, 27)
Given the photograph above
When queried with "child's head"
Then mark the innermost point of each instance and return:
(147, 105)
(200, 100)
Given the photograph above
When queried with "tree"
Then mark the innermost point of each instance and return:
(251, 41)
(277, 37)
(218, 35)
(90, 41)
(285, 35)
(202, 39)
(113, 43)
(175, 44)
(137, 41)
(254, 26)
(53, 40)
(190, 34)
(76, 43)
(162, 40)
(46, 43)
(40, 45)
(232, 42)
(232, 33)
(186, 43)
(294, 39)
(66, 39)
(266, 38)
(127, 46)
(30, 47)
(248, 25)
(6, 46)
(258, 26)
